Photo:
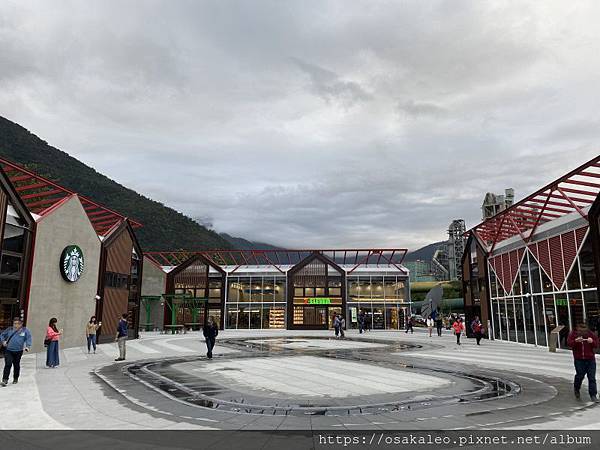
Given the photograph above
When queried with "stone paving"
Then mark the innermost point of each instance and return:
(73, 397)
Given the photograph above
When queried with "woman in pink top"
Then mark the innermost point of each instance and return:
(52, 336)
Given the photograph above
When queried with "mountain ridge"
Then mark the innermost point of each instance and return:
(164, 228)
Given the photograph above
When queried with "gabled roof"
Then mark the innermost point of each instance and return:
(41, 195)
(571, 193)
(15, 199)
(283, 258)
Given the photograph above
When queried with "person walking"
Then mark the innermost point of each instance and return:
(342, 326)
(53, 335)
(477, 329)
(439, 323)
(430, 323)
(409, 325)
(14, 341)
(90, 333)
(584, 342)
(121, 337)
(336, 324)
(458, 328)
(361, 321)
(210, 331)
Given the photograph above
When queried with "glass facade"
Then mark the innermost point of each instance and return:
(261, 301)
(12, 267)
(255, 302)
(534, 307)
(382, 298)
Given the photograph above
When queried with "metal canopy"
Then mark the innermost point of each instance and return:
(41, 196)
(283, 257)
(571, 193)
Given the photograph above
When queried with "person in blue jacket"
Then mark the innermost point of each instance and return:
(15, 340)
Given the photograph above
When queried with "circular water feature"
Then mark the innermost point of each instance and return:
(314, 376)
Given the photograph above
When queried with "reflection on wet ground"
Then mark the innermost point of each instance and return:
(180, 379)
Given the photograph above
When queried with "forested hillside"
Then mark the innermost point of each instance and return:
(164, 228)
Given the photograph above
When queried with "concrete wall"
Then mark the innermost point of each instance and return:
(50, 295)
(153, 283)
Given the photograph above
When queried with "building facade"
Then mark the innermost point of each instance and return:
(534, 267)
(63, 256)
(286, 289)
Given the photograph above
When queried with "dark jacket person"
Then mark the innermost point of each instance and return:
(210, 331)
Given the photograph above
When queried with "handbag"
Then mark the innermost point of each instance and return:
(47, 342)
(5, 346)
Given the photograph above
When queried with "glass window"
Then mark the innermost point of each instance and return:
(519, 323)
(9, 289)
(495, 314)
(377, 287)
(528, 313)
(540, 321)
(592, 310)
(503, 330)
(268, 290)
(214, 289)
(319, 292)
(14, 238)
(573, 281)
(510, 320)
(232, 316)
(586, 261)
(493, 284)
(353, 290)
(534, 270)
(389, 287)
(245, 290)
(576, 305)
(546, 283)
(517, 285)
(364, 287)
(256, 290)
(525, 288)
(11, 265)
(243, 317)
(298, 292)
(309, 292)
(233, 289)
(280, 290)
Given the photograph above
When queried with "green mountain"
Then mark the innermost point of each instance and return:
(164, 228)
(244, 244)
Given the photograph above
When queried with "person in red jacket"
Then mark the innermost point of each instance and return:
(458, 328)
(584, 342)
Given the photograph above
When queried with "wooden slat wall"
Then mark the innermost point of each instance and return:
(115, 301)
(115, 304)
(118, 258)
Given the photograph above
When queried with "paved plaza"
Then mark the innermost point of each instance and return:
(301, 380)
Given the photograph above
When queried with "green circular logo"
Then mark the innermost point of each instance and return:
(71, 263)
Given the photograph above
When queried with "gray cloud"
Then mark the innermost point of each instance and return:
(316, 123)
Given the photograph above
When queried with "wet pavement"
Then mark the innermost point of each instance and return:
(186, 389)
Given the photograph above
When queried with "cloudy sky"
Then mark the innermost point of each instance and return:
(311, 123)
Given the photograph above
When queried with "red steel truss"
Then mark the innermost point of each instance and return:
(282, 257)
(41, 196)
(571, 193)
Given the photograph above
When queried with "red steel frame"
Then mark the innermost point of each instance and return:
(279, 258)
(41, 196)
(551, 202)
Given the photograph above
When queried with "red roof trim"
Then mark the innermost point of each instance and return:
(41, 196)
(528, 214)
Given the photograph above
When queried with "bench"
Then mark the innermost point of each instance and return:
(190, 326)
(173, 328)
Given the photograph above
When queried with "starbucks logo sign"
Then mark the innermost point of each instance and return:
(71, 263)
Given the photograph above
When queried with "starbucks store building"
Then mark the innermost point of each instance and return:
(64, 256)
